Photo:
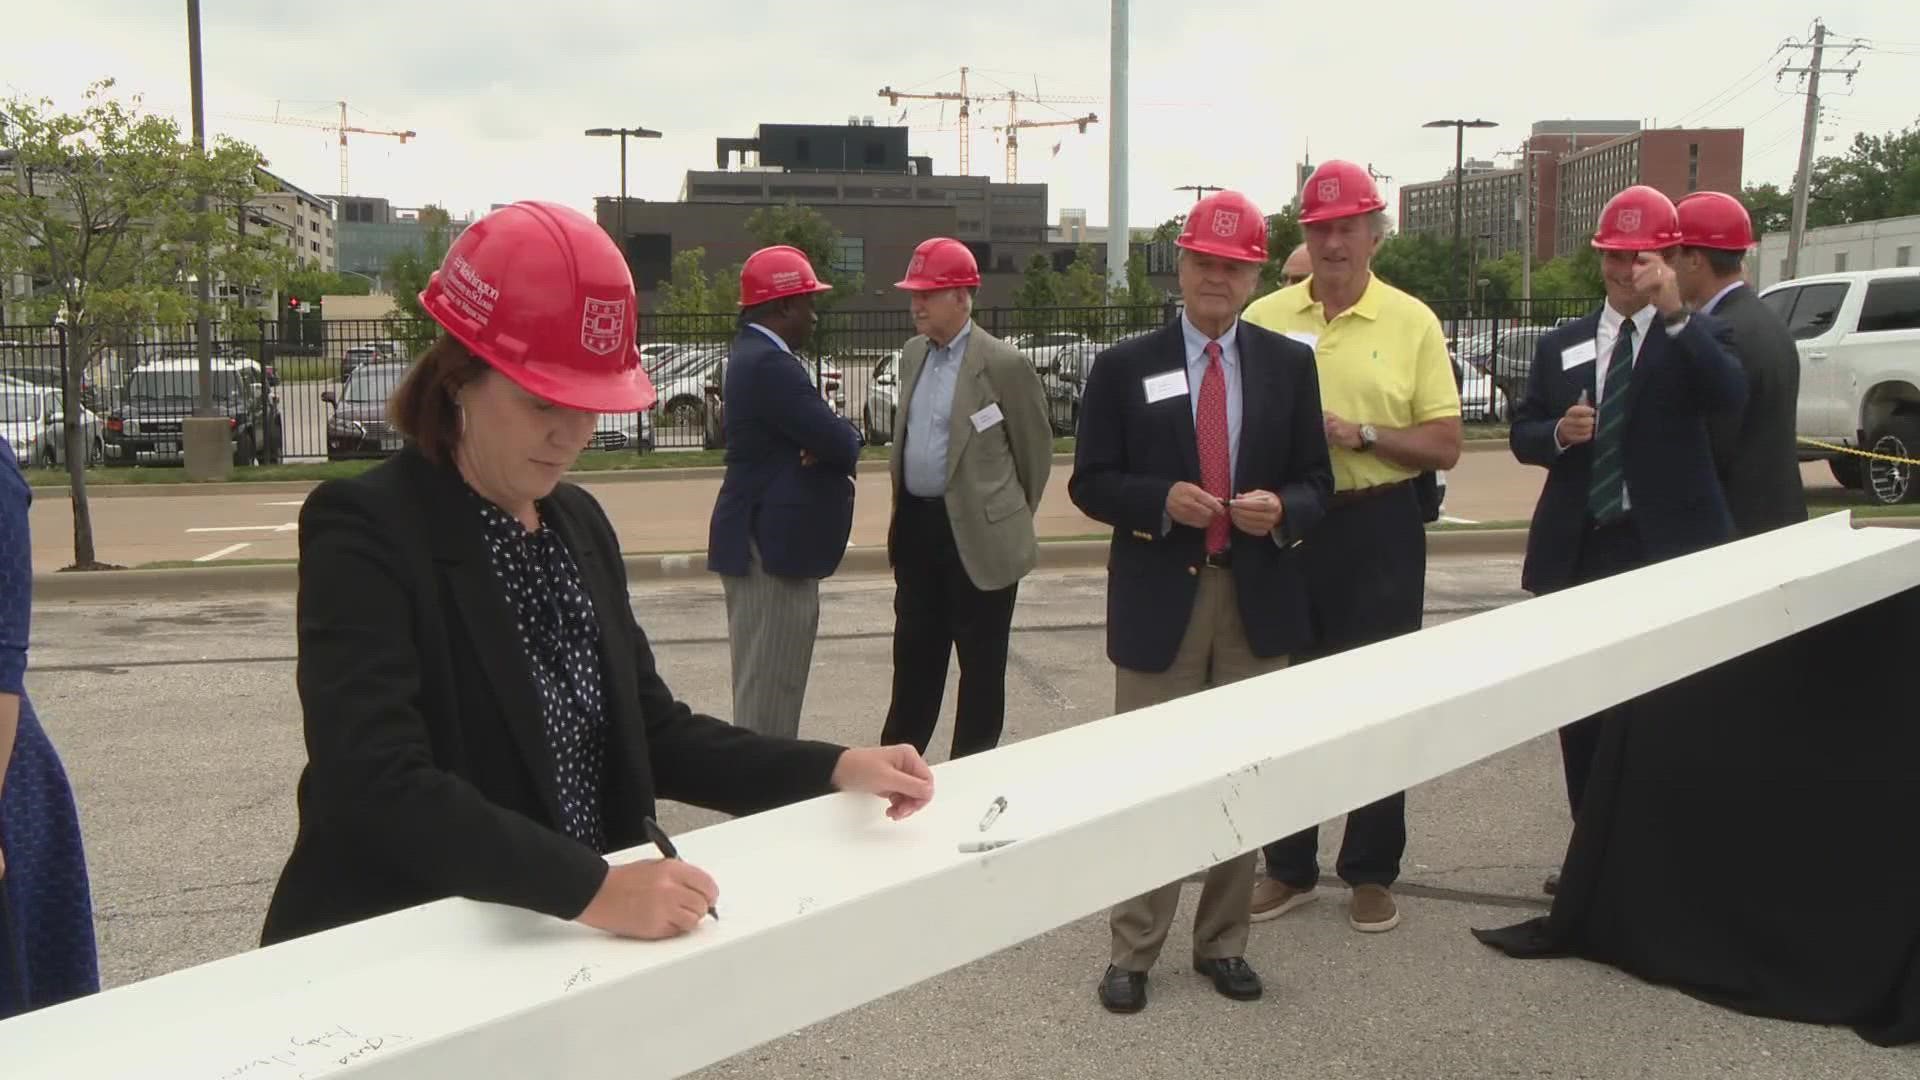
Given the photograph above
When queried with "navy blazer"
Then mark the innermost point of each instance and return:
(799, 516)
(1130, 453)
(1679, 382)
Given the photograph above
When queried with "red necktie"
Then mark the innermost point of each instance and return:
(1210, 428)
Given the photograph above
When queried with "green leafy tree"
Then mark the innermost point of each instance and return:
(1878, 177)
(99, 209)
(1083, 289)
(1418, 263)
(1284, 233)
(1039, 292)
(1140, 303)
(693, 306)
(409, 271)
(809, 230)
(310, 284)
(1770, 208)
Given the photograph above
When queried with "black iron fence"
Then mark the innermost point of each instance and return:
(309, 390)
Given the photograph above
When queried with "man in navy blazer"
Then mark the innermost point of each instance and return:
(1617, 411)
(1204, 447)
(785, 508)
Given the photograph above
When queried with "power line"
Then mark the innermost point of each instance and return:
(1809, 133)
(1737, 83)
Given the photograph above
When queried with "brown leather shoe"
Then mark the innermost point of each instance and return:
(1272, 899)
(1372, 910)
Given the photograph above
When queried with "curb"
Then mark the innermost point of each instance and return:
(183, 583)
(302, 487)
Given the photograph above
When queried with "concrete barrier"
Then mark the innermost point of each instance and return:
(462, 989)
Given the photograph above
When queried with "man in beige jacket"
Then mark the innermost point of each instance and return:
(970, 461)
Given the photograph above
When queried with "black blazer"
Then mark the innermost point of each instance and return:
(428, 774)
(798, 515)
(1678, 381)
(1753, 447)
(1130, 453)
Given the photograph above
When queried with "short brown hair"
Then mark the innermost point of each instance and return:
(422, 406)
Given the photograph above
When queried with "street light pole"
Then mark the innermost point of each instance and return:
(1459, 200)
(206, 445)
(622, 134)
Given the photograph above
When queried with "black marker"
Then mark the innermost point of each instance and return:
(658, 837)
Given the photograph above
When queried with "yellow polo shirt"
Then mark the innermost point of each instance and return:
(1383, 362)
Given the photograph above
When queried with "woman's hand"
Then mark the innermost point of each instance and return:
(895, 773)
(651, 899)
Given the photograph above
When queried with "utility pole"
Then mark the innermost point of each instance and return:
(1809, 130)
(1119, 237)
(206, 448)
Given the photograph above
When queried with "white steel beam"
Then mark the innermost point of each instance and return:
(826, 905)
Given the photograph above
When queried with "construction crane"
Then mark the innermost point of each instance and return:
(341, 128)
(1013, 126)
(966, 114)
(1199, 190)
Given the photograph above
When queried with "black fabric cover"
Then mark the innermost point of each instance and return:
(1751, 835)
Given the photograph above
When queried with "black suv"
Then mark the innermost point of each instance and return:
(146, 428)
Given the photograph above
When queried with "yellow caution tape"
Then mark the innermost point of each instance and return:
(1858, 453)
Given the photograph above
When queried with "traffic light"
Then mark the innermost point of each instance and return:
(293, 303)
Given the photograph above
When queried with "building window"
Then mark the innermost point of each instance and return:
(316, 247)
(1839, 261)
(851, 258)
(1693, 166)
(1903, 255)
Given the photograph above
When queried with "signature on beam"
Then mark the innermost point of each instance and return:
(315, 1055)
(579, 978)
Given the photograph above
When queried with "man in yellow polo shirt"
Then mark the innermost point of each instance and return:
(1392, 412)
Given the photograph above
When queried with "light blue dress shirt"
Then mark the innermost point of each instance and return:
(928, 414)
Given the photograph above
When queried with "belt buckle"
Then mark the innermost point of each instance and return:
(1221, 560)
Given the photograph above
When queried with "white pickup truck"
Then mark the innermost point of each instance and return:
(1859, 338)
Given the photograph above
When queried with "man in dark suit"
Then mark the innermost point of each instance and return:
(1616, 411)
(1753, 447)
(1202, 445)
(785, 508)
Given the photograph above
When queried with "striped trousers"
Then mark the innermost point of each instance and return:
(771, 623)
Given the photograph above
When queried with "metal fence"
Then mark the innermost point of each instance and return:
(316, 390)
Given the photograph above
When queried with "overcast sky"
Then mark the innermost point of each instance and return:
(1223, 93)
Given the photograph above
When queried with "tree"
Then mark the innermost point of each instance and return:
(1878, 177)
(1283, 235)
(690, 305)
(805, 228)
(310, 284)
(1418, 263)
(1039, 291)
(409, 272)
(1770, 208)
(98, 209)
(1140, 302)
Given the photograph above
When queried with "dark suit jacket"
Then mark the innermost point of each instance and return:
(428, 773)
(798, 515)
(1678, 381)
(1130, 454)
(1753, 447)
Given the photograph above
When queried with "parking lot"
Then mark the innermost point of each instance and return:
(179, 724)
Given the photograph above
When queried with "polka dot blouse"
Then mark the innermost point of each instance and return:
(562, 644)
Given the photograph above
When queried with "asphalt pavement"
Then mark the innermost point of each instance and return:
(179, 724)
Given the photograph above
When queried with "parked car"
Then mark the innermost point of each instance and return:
(32, 420)
(623, 431)
(371, 352)
(146, 427)
(713, 418)
(359, 427)
(1858, 334)
(1043, 348)
(1506, 355)
(883, 396)
(1481, 398)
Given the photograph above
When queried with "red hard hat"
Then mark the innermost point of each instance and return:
(1227, 224)
(541, 293)
(773, 273)
(1637, 219)
(1339, 189)
(1714, 219)
(940, 263)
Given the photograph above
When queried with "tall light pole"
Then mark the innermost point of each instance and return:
(623, 133)
(1459, 203)
(1118, 235)
(205, 446)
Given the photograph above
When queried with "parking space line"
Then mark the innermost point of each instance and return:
(288, 527)
(223, 552)
(1451, 520)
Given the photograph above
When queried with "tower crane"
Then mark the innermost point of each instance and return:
(966, 114)
(341, 129)
(1013, 126)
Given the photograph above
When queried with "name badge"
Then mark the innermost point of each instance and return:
(987, 417)
(1311, 341)
(1165, 385)
(1574, 355)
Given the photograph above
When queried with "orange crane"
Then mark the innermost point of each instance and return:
(966, 113)
(341, 128)
(1014, 124)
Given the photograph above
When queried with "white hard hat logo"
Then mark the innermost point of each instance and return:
(1330, 190)
(1226, 223)
(602, 325)
(1629, 221)
(786, 279)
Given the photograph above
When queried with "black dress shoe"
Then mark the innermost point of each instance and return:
(1552, 885)
(1123, 991)
(1232, 976)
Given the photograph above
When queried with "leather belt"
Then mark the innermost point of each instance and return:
(1347, 498)
(1219, 560)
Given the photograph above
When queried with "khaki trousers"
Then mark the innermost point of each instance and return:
(1213, 652)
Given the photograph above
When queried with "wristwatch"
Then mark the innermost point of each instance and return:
(1676, 316)
(1368, 436)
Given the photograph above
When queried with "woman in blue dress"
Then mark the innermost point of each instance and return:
(47, 952)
